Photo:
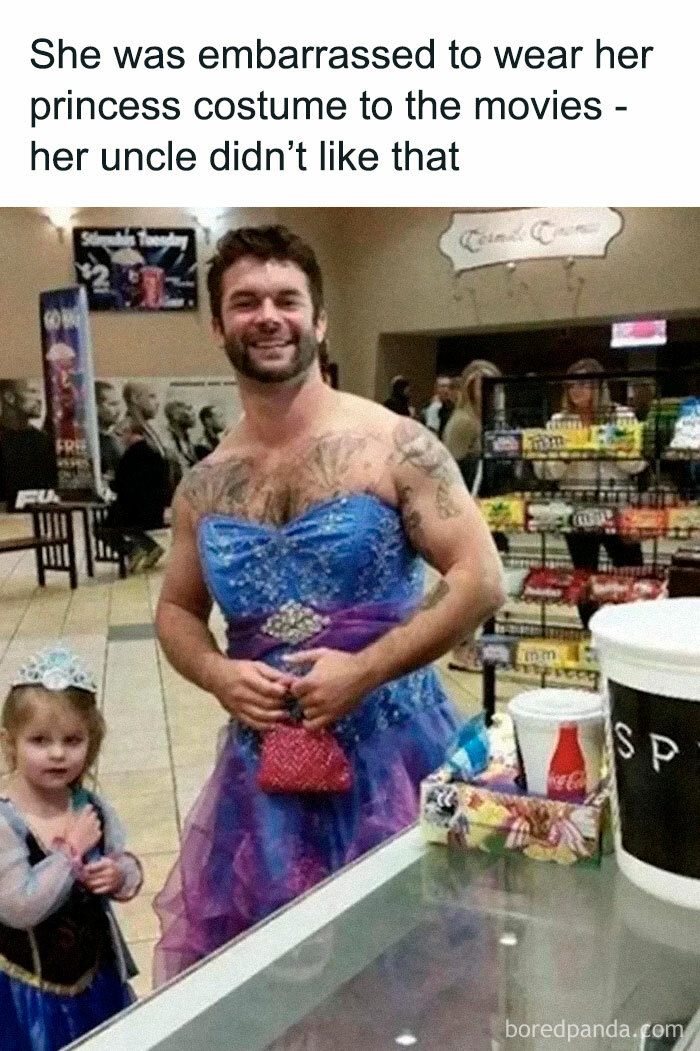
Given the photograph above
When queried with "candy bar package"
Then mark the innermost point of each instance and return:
(503, 512)
(606, 588)
(609, 587)
(498, 649)
(619, 438)
(594, 520)
(641, 522)
(496, 816)
(555, 585)
(686, 432)
(502, 443)
(540, 442)
(553, 516)
(577, 440)
(683, 520)
(514, 578)
(547, 653)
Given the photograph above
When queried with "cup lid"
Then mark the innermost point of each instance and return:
(557, 705)
(667, 628)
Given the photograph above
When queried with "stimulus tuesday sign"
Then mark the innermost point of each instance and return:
(475, 239)
(137, 268)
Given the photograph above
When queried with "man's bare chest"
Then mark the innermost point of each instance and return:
(276, 488)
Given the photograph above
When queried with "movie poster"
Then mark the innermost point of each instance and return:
(183, 417)
(69, 387)
(137, 268)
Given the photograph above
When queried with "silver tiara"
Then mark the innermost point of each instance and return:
(56, 668)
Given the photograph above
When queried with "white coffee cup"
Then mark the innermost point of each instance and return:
(538, 716)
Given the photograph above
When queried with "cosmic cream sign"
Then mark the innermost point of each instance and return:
(137, 268)
(476, 239)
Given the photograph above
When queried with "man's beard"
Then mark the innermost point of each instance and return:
(305, 353)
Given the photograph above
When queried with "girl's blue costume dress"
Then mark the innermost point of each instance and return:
(64, 967)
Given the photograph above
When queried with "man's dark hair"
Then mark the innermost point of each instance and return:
(205, 413)
(263, 242)
(103, 387)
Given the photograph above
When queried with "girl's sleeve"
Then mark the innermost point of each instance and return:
(30, 893)
(115, 843)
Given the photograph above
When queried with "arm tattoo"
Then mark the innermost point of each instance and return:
(432, 599)
(416, 446)
(411, 518)
(435, 597)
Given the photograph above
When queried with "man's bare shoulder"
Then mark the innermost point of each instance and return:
(364, 413)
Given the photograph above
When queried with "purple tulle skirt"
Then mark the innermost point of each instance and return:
(245, 854)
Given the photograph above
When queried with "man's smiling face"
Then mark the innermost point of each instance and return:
(267, 323)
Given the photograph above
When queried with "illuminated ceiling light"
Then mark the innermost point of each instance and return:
(508, 938)
(406, 1040)
(60, 218)
(207, 219)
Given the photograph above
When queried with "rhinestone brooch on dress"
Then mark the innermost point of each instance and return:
(294, 623)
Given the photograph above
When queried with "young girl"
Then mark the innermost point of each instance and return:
(64, 967)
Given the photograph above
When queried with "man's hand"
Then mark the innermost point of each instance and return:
(251, 691)
(102, 877)
(333, 687)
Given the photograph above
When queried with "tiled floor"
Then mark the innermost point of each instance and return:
(161, 730)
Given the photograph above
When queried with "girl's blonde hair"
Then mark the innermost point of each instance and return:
(603, 403)
(463, 431)
(20, 704)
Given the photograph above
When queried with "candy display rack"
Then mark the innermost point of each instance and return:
(546, 476)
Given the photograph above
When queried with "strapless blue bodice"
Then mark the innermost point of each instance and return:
(342, 551)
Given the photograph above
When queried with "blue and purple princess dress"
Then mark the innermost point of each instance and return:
(339, 576)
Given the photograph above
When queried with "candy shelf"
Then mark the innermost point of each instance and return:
(617, 479)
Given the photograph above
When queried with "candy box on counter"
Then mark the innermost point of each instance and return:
(494, 815)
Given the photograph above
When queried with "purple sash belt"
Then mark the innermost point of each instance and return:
(300, 626)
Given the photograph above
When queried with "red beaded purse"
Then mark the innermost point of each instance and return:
(296, 759)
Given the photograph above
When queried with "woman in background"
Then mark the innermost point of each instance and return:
(587, 401)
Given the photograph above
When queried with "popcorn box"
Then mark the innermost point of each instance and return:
(503, 512)
(500, 817)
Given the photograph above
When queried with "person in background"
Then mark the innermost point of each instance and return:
(436, 414)
(462, 434)
(181, 419)
(142, 490)
(463, 439)
(109, 411)
(213, 426)
(141, 409)
(587, 401)
(399, 399)
(27, 453)
(142, 406)
(64, 967)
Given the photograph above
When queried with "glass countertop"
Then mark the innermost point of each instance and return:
(428, 947)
